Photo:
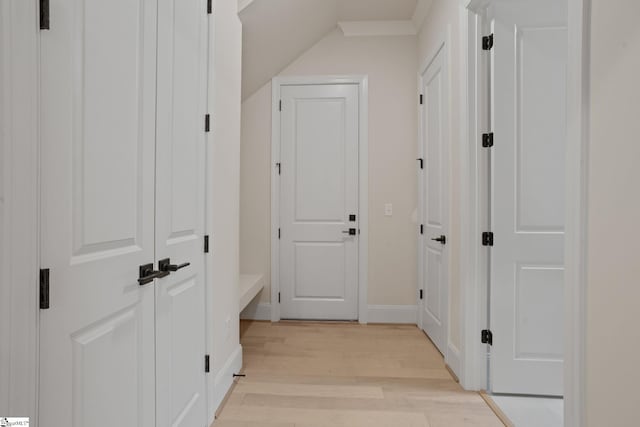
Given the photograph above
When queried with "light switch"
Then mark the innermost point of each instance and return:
(388, 209)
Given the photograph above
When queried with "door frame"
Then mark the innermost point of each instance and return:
(474, 197)
(362, 81)
(19, 79)
(450, 352)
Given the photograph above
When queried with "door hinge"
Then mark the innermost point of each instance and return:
(487, 238)
(44, 15)
(486, 337)
(207, 123)
(206, 244)
(421, 160)
(487, 42)
(487, 140)
(209, 7)
(421, 294)
(421, 228)
(207, 365)
(280, 105)
(44, 288)
(421, 99)
(279, 234)
(279, 166)
(278, 297)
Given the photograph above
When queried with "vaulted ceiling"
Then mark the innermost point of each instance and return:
(276, 32)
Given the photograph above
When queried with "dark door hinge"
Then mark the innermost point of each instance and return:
(421, 228)
(486, 337)
(207, 365)
(209, 7)
(44, 288)
(421, 160)
(44, 15)
(487, 238)
(280, 105)
(421, 99)
(207, 123)
(278, 297)
(279, 234)
(487, 140)
(421, 294)
(206, 244)
(279, 166)
(487, 42)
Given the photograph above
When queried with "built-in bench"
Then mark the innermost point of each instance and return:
(250, 286)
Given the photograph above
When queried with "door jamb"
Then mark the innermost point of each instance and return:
(472, 289)
(363, 200)
(19, 79)
(451, 353)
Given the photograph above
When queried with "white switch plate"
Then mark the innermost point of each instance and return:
(388, 209)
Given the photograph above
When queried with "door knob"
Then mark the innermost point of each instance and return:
(166, 266)
(350, 232)
(148, 274)
(441, 239)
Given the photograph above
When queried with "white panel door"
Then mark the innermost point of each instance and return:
(318, 193)
(180, 196)
(435, 198)
(527, 265)
(97, 350)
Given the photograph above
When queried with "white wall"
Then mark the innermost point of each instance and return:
(613, 285)
(224, 190)
(390, 63)
(443, 19)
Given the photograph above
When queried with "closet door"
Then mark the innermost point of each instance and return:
(180, 207)
(528, 198)
(98, 106)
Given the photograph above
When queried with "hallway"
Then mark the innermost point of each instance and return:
(337, 374)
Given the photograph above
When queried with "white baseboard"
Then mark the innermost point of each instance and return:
(454, 360)
(257, 311)
(393, 314)
(376, 313)
(224, 380)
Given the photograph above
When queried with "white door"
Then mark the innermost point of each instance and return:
(180, 197)
(319, 202)
(98, 98)
(123, 108)
(435, 201)
(527, 266)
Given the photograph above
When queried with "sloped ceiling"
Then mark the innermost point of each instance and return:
(276, 32)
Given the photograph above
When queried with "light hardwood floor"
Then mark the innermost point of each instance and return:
(342, 374)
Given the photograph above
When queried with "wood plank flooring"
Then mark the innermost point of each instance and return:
(349, 375)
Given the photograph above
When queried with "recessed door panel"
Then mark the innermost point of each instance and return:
(540, 140)
(433, 116)
(433, 282)
(318, 192)
(320, 141)
(320, 271)
(106, 357)
(539, 304)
